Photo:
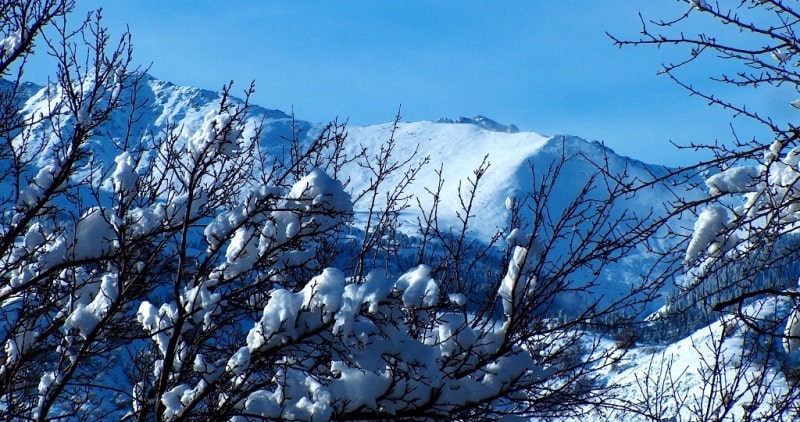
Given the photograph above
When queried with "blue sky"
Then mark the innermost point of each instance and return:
(547, 66)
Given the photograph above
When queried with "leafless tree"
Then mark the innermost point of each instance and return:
(195, 276)
(741, 252)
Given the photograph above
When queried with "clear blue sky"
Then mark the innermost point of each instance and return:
(546, 66)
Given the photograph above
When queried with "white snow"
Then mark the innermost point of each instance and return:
(173, 400)
(418, 288)
(676, 372)
(124, 175)
(779, 55)
(700, 4)
(12, 353)
(457, 298)
(734, 180)
(516, 284)
(242, 250)
(94, 235)
(43, 181)
(709, 224)
(278, 317)
(461, 148)
(47, 379)
(510, 202)
(361, 387)
(201, 303)
(157, 322)
(517, 237)
(10, 44)
(319, 188)
(239, 362)
(325, 292)
(35, 237)
(219, 134)
(791, 342)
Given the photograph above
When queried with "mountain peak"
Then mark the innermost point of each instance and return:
(482, 122)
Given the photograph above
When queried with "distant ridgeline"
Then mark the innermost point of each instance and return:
(483, 122)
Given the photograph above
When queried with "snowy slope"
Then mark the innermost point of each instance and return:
(676, 381)
(460, 148)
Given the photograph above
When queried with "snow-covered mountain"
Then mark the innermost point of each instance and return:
(453, 150)
(456, 147)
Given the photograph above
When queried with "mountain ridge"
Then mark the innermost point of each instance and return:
(515, 161)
